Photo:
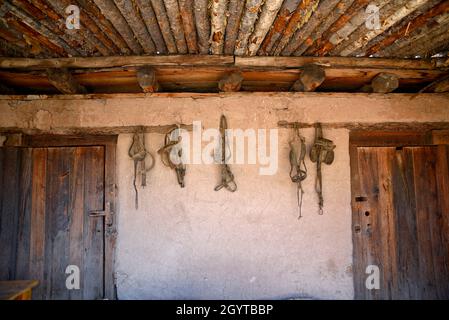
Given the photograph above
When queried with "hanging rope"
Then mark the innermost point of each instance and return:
(173, 147)
(298, 169)
(227, 178)
(322, 152)
(138, 153)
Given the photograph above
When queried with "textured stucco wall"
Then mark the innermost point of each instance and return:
(197, 243)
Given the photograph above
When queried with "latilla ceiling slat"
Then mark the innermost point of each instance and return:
(201, 15)
(149, 18)
(174, 16)
(164, 25)
(188, 22)
(235, 10)
(132, 17)
(111, 12)
(218, 26)
(299, 18)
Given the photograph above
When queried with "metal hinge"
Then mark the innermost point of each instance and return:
(107, 213)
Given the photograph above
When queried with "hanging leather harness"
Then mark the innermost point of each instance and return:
(322, 152)
(298, 169)
(227, 178)
(138, 153)
(173, 144)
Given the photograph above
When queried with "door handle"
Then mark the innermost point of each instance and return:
(107, 213)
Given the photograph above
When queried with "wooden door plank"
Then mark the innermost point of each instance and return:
(24, 215)
(367, 160)
(93, 285)
(406, 230)
(424, 162)
(384, 232)
(38, 220)
(8, 213)
(77, 213)
(442, 180)
(57, 221)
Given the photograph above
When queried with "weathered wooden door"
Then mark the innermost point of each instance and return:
(46, 195)
(401, 222)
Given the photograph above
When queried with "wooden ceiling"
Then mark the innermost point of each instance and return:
(192, 45)
(409, 28)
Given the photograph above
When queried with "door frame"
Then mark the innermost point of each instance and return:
(109, 142)
(381, 138)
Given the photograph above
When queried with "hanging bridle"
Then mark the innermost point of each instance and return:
(173, 144)
(322, 152)
(227, 178)
(138, 153)
(298, 169)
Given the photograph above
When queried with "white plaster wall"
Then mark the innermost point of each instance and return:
(195, 243)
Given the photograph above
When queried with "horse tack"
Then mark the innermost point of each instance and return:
(298, 169)
(172, 146)
(322, 152)
(138, 154)
(227, 178)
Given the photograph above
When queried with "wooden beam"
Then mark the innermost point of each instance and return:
(132, 16)
(250, 16)
(310, 79)
(218, 26)
(116, 61)
(295, 62)
(439, 86)
(284, 15)
(264, 23)
(146, 77)
(418, 22)
(440, 137)
(235, 10)
(202, 25)
(112, 13)
(63, 80)
(188, 21)
(174, 16)
(385, 83)
(147, 12)
(164, 25)
(231, 82)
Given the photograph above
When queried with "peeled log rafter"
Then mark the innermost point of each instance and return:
(112, 13)
(385, 83)
(63, 80)
(188, 21)
(146, 77)
(38, 33)
(299, 18)
(105, 25)
(231, 82)
(202, 25)
(146, 10)
(31, 14)
(99, 42)
(327, 14)
(250, 15)
(235, 10)
(418, 22)
(164, 25)
(285, 13)
(321, 44)
(218, 26)
(175, 19)
(341, 39)
(406, 45)
(311, 77)
(387, 23)
(266, 18)
(134, 20)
